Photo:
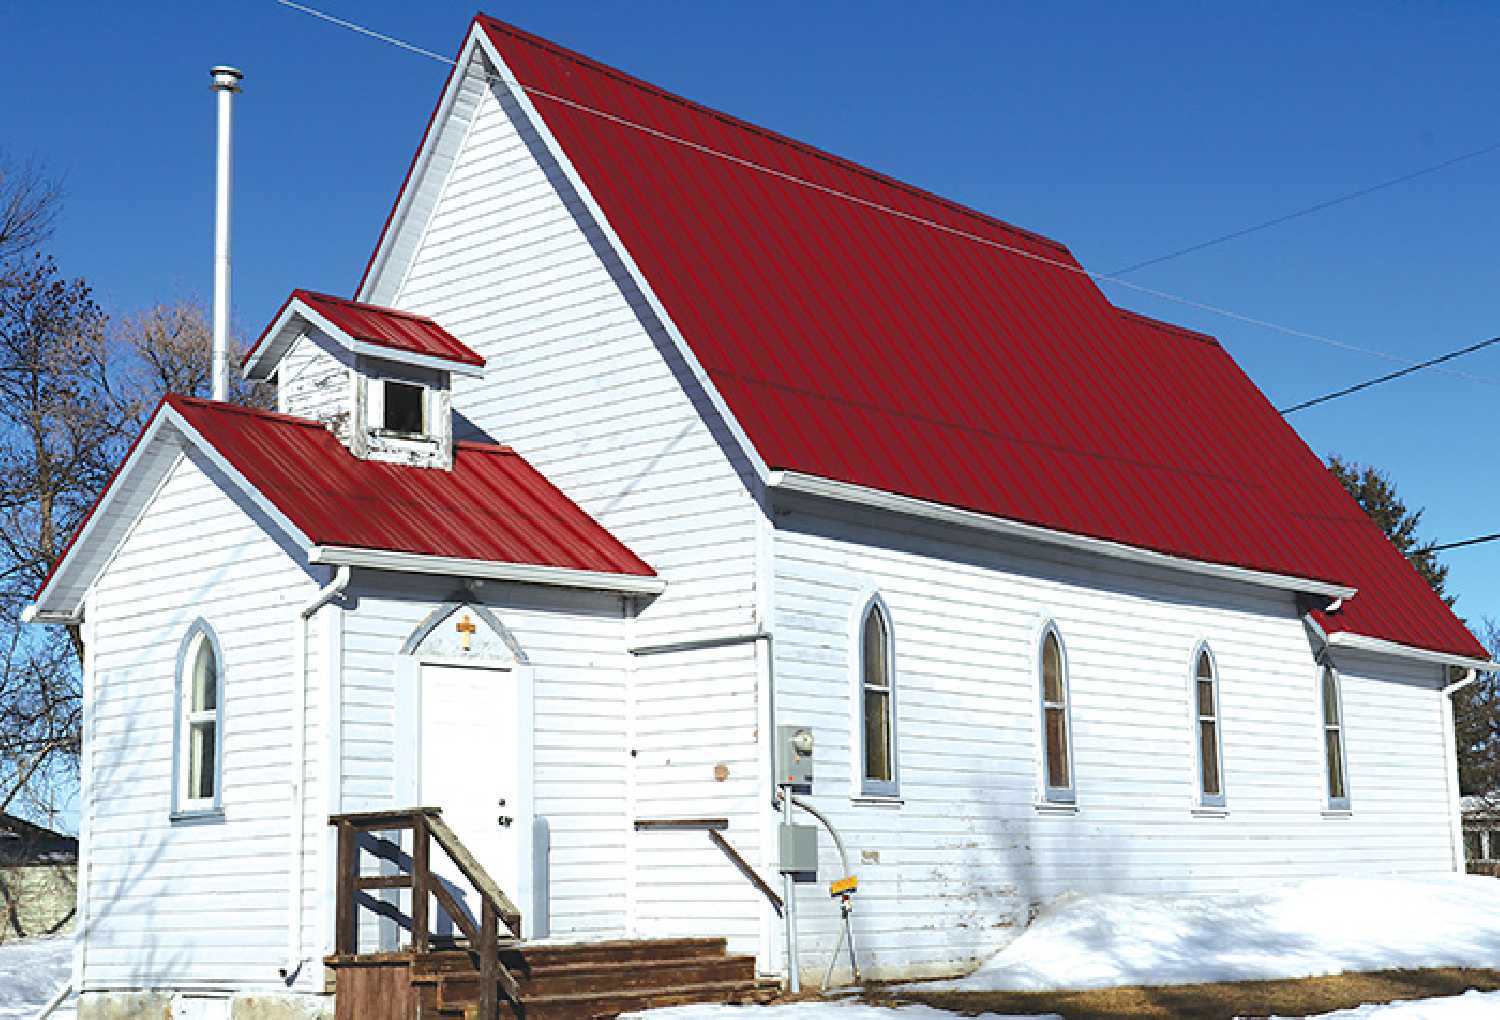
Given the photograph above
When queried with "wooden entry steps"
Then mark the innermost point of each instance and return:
(556, 981)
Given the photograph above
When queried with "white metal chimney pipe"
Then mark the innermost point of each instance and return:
(226, 84)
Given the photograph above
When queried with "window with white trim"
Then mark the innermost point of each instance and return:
(200, 736)
(1334, 758)
(1057, 736)
(1207, 734)
(403, 408)
(877, 683)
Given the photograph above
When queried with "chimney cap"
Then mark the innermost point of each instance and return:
(226, 77)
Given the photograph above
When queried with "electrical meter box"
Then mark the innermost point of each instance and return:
(794, 757)
(798, 845)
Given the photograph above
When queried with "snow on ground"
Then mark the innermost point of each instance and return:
(1468, 1006)
(820, 1011)
(1322, 926)
(30, 972)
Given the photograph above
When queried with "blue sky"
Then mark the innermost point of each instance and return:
(1124, 130)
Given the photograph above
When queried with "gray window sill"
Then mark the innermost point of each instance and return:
(201, 817)
(1338, 813)
(1208, 811)
(877, 800)
(1056, 807)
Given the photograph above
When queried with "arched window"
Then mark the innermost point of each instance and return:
(1207, 733)
(877, 682)
(1334, 758)
(199, 729)
(1057, 727)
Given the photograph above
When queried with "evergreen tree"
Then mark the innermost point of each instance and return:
(1373, 490)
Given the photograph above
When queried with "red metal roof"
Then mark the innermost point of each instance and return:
(972, 365)
(492, 506)
(384, 327)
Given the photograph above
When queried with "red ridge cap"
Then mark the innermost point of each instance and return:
(1163, 326)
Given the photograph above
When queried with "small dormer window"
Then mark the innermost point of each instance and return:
(405, 408)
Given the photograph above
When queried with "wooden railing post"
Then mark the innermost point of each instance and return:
(421, 876)
(489, 962)
(346, 932)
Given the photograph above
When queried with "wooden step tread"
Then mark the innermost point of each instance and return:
(603, 1004)
(625, 978)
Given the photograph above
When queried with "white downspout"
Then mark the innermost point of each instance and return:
(226, 84)
(1450, 748)
(325, 595)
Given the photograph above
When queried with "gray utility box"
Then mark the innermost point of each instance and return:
(799, 851)
(794, 757)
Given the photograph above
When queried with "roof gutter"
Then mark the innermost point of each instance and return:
(1380, 646)
(860, 495)
(489, 570)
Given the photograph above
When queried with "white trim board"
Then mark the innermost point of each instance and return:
(847, 492)
(452, 566)
(1342, 639)
(283, 333)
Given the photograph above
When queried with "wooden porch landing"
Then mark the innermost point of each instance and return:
(555, 981)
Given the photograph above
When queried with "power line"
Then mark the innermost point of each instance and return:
(1347, 390)
(886, 209)
(1309, 210)
(1459, 545)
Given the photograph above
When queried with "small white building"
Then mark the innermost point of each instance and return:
(651, 430)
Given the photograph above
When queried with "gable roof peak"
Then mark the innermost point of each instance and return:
(370, 330)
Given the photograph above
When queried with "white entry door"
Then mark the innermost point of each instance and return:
(469, 767)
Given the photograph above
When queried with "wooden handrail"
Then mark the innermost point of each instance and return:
(714, 827)
(475, 873)
(427, 826)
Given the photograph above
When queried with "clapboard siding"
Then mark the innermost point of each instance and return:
(575, 644)
(314, 380)
(584, 382)
(159, 893)
(967, 852)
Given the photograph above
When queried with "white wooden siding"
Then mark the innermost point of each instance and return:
(199, 903)
(575, 644)
(313, 381)
(967, 853)
(583, 382)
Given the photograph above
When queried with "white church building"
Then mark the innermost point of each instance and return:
(647, 431)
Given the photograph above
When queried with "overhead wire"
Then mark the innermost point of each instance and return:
(1459, 545)
(1389, 376)
(1277, 221)
(1098, 277)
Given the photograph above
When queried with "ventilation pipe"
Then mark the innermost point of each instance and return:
(226, 84)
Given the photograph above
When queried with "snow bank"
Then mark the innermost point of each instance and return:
(819, 1011)
(1469, 1006)
(1323, 926)
(30, 972)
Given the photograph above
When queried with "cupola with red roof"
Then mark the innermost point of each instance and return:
(378, 378)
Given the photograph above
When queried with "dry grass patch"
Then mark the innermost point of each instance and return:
(1302, 997)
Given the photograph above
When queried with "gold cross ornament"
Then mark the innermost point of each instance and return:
(466, 628)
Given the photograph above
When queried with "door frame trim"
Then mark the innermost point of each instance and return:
(409, 755)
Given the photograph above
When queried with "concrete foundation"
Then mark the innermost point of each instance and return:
(169, 1005)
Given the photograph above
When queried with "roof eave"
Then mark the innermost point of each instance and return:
(279, 336)
(1380, 646)
(47, 608)
(848, 492)
(488, 570)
